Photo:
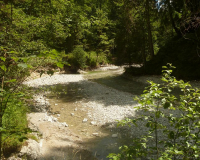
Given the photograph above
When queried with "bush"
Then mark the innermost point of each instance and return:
(15, 125)
(79, 56)
(92, 59)
(172, 121)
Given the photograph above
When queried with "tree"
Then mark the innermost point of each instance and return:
(147, 10)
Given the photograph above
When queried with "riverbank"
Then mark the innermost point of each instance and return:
(104, 106)
(101, 105)
(99, 102)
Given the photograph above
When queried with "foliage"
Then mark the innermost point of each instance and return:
(79, 56)
(50, 33)
(15, 125)
(91, 59)
(171, 114)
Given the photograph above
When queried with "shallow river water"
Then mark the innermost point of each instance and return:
(67, 108)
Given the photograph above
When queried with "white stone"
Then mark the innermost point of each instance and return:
(56, 104)
(85, 120)
(55, 119)
(93, 123)
(72, 114)
(49, 119)
(95, 134)
(65, 124)
(32, 150)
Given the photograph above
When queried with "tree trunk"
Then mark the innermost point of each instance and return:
(143, 48)
(151, 49)
(172, 19)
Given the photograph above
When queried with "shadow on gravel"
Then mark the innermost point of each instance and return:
(94, 92)
(114, 90)
(68, 153)
(121, 83)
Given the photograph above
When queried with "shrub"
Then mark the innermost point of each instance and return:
(92, 59)
(172, 121)
(79, 56)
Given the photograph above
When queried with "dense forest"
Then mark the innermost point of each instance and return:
(84, 34)
(90, 33)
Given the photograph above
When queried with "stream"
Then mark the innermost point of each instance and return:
(68, 107)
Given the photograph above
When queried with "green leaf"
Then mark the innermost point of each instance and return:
(23, 65)
(196, 155)
(25, 60)
(178, 152)
(59, 64)
(3, 59)
(144, 145)
(15, 58)
(12, 80)
(3, 67)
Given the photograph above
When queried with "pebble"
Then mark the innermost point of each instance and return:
(56, 104)
(84, 130)
(85, 120)
(65, 124)
(95, 134)
(114, 135)
(93, 123)
(72, 114)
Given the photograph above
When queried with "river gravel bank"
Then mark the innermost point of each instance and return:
(104, 106)
(108, 104)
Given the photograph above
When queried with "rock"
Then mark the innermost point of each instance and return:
(58, 115)
(84, 130)
(72, 114)
(65, 124)
(75, 109)
(95, 134)
(32, 151)
(50, 119)
(93, 123)
(56, 104)
(54, 119)
(81, 71)
(114, 135)
(85, 120)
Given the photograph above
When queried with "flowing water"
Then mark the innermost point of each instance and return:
(97, 139)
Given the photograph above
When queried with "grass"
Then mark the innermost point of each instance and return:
(15, 126)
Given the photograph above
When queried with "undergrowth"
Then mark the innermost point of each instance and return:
(171, 120)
